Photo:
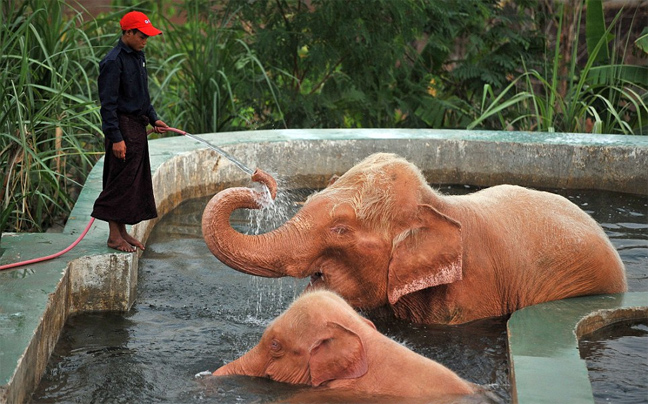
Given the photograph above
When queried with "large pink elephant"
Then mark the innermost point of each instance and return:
(380, 236)
(320, 341)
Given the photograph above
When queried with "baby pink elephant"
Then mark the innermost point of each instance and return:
(320, 341)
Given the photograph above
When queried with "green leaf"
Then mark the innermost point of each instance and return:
(595, 31)
(642, 41)
(602, 75)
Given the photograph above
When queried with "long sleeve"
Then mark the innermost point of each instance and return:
(152, 115)
(109, 82)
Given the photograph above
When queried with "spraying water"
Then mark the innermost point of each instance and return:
(269, 215)
(223, 153)
(273, 212)
(269, 293)
(216, 149)
(267, 195)
(275, 209)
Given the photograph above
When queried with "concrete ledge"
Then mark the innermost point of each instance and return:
(35, 301)
(543, 345)
(614, 163)
(104, 282)
(604, 317)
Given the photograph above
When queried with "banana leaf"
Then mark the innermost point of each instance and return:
(595, 31)
(607, 74)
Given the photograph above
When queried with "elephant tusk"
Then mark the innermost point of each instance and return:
(266, 179)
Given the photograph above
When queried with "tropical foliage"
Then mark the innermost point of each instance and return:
(48, 114)
(385, 63)
(245, 65)
(602, 96)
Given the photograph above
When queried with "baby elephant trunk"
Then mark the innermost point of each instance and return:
(250, 364)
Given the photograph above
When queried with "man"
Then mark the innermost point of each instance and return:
(126, 110)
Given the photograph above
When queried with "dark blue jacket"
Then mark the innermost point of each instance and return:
(123, 89)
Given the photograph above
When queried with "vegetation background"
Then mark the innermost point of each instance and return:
(528, 65)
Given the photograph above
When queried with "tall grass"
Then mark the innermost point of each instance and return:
(48, 118)
(209, 79)
(600, 97)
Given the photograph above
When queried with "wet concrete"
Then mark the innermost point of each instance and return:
(545, 362)
(36, 300)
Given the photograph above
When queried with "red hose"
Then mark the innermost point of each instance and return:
(170, 129)
(49, 257)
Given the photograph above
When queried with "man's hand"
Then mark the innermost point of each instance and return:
(119, 150)
(159, 126)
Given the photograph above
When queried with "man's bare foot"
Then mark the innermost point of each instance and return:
(121, 240)
(133, 241)
(121, 245)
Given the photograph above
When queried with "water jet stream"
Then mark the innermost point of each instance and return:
(258, 175)
(215, 148)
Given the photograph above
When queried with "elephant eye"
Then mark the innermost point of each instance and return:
(339, 229)
(275, 346)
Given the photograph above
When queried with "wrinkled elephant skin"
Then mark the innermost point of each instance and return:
(320, 341)
(380, 236)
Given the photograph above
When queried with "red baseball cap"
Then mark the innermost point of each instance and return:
(138, 20)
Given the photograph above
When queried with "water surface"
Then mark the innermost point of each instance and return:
(617, 361)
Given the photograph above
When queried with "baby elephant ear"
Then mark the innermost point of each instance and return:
(428, 254)
(340, 354)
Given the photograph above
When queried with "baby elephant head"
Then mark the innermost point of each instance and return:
(321, 341)
(315, 341)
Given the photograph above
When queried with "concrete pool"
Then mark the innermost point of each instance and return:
(36, 301)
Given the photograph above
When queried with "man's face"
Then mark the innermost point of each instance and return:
(135, 39)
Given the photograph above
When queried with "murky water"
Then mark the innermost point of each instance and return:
(617, 360)
(193, 314)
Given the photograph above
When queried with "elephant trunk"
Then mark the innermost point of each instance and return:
(261, 255)
(266, 179)
(250, 364)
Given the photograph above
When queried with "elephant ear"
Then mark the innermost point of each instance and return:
(339, 355)
(426, 255)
